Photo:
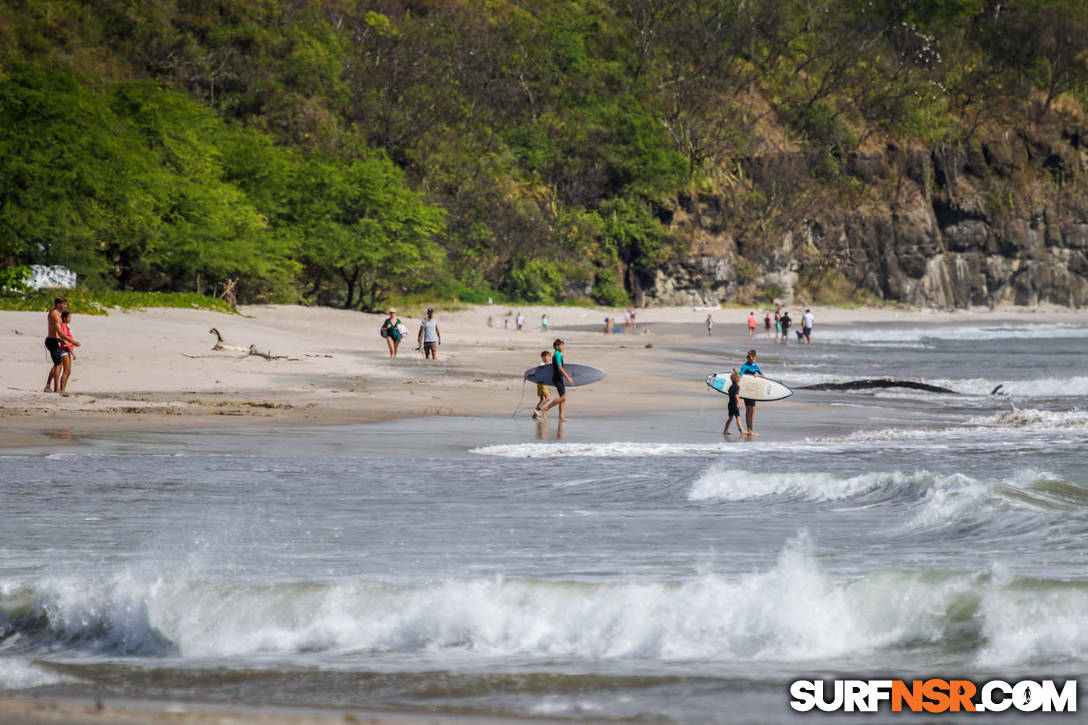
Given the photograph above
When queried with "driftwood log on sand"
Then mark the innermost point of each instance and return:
(266, 355)
(221, 345)
(879, 383)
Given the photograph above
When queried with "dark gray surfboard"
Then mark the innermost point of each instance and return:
(582, 374)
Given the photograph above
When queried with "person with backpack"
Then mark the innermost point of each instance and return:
(392, 331)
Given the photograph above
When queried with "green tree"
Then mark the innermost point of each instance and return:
(365, 233)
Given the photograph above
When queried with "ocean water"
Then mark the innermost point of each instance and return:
(635, 568)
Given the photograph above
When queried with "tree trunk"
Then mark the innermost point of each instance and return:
(350, 280)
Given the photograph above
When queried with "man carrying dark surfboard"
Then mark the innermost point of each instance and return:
(560, 378)
(750, 368)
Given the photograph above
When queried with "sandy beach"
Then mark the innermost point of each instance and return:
(155, 369)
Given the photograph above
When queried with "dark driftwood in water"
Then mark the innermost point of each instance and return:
(879, 383)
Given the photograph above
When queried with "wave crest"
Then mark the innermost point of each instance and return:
(791, 612)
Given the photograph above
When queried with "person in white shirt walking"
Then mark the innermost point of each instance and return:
(430, 336)
(806, 326)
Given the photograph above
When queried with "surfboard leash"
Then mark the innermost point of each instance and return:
(517, 410)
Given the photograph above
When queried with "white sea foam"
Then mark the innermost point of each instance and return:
(889, 434)
(934, 500)
(792, 611)
(1031, 419)
(904, 336)
(1013, 421)
(959, 499)
(1051, 387)
(616, 449)
(729, 484)
(1025, 622)
(951, 499)
(19, 674)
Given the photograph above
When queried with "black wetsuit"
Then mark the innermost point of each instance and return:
(734, 400)
(557, 376)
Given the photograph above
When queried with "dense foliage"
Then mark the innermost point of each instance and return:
(342, 151)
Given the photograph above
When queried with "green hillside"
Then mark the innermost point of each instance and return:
(342, 152)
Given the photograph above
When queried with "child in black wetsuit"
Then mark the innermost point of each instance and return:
(734, 404)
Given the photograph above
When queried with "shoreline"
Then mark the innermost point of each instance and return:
(71, 710)
(154, 370)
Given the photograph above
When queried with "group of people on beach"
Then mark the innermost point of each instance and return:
(781, 326)
(61, 346)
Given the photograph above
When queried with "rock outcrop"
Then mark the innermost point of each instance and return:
(998, 221)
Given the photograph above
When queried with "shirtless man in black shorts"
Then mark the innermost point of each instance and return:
(53, 340)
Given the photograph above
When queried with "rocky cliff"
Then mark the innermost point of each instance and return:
(999, 220)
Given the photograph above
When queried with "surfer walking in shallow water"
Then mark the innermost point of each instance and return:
(750, 367)
(560, 379)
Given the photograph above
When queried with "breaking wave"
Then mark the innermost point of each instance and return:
(931, 500)
(792, 611)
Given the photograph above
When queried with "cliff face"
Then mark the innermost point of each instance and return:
(1002, 220)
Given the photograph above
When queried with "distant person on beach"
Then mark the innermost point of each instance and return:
(541, 389)
(559, 375)
(519, 321)
(750, 367)
(391, 331)
(767, 325)
(54, 337)
(430, 336)
(709, 325)
(609, 325)
(544, 322)
(786, 322)
(777, 324)
(734, 404)
(806, 326)
(751, 325)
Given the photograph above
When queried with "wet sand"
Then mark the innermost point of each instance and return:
(77, 711)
